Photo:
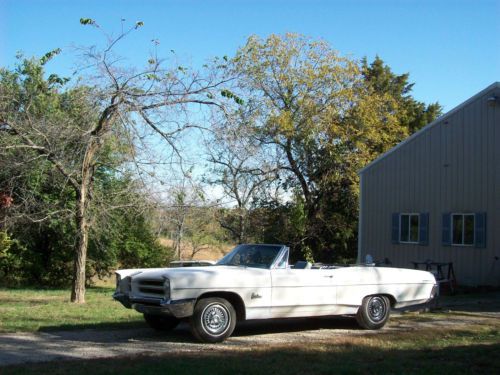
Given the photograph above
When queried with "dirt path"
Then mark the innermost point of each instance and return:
(19, 348)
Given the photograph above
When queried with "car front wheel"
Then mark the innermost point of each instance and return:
(373, 312)
(213, 320)
(161, 322)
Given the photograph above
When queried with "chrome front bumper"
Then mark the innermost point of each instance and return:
(156, 306)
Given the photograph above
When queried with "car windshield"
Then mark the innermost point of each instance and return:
(257, 256)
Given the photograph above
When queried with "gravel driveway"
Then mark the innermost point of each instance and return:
(19, 348)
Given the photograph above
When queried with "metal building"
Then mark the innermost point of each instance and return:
(435, 197)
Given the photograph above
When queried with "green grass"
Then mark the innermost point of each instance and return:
(30, 310)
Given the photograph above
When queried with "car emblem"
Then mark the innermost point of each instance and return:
(255, 295)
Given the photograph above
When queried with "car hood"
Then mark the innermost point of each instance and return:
(206, 277)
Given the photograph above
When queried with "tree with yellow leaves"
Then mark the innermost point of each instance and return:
(315, 108)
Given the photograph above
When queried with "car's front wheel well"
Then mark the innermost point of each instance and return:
(233, 298)
(391, 298)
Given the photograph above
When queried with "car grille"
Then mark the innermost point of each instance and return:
(152, 288)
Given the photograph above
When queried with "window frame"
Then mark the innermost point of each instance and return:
(409, 214)
(452, 229)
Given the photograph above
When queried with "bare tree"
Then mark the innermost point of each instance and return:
(202, 231)
(153, 101)
(242, 168)
(183, 201)
(177, 217)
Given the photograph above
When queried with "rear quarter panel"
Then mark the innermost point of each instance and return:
(405, 286)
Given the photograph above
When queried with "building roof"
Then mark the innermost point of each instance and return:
(494, 85)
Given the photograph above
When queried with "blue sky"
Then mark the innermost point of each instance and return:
(450, 48)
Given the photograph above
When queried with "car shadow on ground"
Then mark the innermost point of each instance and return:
(120, 333)
(94, 326)
(139, 331)
(258, 327)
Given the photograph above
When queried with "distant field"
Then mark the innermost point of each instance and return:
(210, 253)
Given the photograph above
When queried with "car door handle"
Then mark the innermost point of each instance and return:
(330, 276)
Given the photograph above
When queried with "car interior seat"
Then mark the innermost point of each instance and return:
(303, 265)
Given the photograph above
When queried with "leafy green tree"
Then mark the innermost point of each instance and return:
(133, 244)
(42, 248)
(412, 113)
(315, 110)
(5, 243)
(12, 261)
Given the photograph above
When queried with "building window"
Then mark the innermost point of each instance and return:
(409, 228)
(462, 229)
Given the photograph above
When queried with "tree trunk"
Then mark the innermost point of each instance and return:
(78, 290)
(178, 239)
(241, 226)
(84, 196)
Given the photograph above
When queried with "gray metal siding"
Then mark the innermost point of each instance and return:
(451, 166)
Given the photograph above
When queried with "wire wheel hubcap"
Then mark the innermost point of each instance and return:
(377, 309)
(215, 319)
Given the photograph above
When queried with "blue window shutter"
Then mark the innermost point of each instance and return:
(446, 226)
(423, 236)
(480, 230)
(395, 228)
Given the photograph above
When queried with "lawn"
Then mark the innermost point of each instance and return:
(31, 310)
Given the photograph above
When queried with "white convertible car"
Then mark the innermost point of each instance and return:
(256, 282)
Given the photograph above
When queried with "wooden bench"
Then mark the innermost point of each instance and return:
(442, 271)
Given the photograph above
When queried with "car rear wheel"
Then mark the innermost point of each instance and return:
(373, 312)
(161, 322)
(213, 320)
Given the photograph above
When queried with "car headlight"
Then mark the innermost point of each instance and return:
(166, 287)
(118, 281)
